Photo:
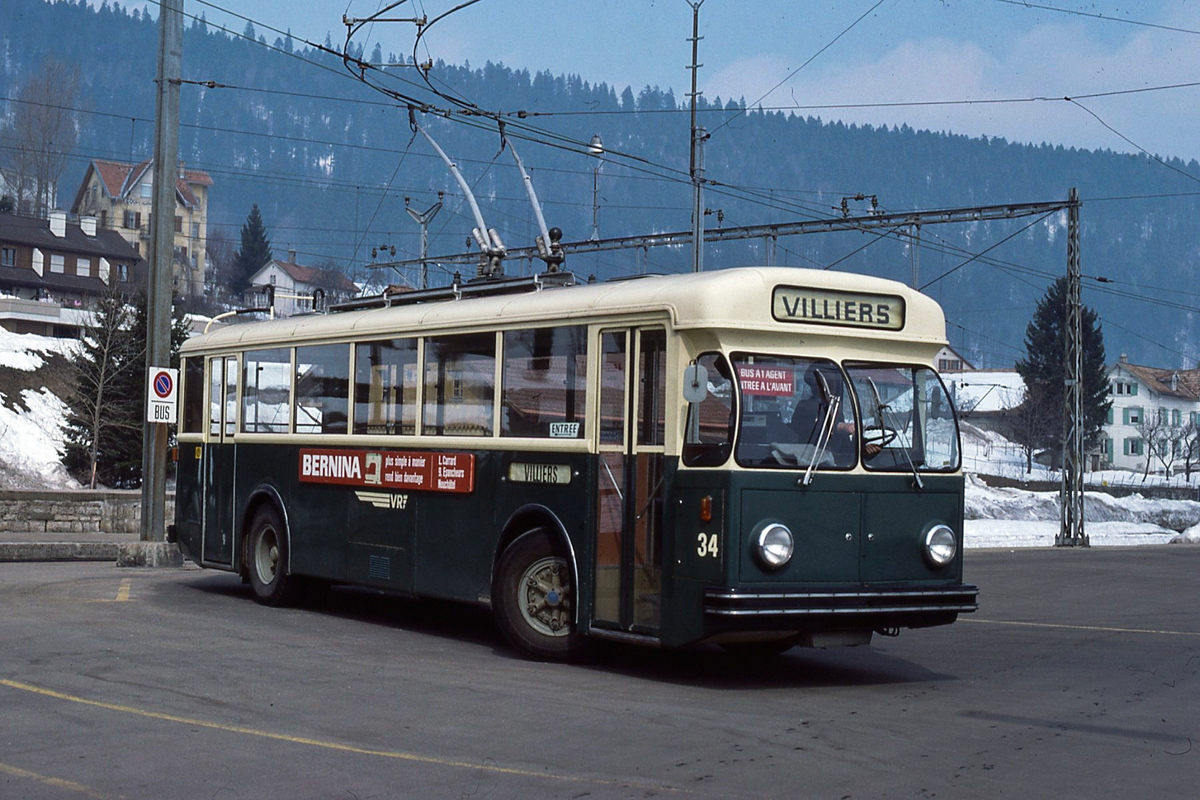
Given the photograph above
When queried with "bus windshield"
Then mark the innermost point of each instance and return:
(796, 412)
(908, 421)
(809, 414)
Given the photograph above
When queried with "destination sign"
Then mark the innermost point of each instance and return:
(539, 473)
(429, 472)
(829, 307)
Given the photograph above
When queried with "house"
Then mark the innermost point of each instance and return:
(1154, 416)
(51, 270)
(119, 196)
(294, 289)
(950, 360)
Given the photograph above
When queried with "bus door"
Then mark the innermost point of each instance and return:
(218, 464)
(631, 429)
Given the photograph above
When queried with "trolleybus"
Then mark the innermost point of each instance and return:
(754, 457)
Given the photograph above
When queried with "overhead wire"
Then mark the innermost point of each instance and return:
(735, 192)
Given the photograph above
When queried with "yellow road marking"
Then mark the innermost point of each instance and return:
(1077, 627)
(122, 593)
(328, 745)
(57, 783)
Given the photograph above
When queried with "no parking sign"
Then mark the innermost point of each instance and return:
(162, 395)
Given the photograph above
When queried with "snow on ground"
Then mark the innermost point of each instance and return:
(31, 441)
(22, 350)
(999, 517)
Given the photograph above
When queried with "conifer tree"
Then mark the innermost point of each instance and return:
(1044, 369)
(107, 412)
(254, 252)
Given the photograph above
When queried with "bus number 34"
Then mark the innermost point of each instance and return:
(706, 545)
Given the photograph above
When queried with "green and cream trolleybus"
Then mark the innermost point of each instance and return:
(757, 458)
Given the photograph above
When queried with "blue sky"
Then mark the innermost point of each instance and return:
(901, 51)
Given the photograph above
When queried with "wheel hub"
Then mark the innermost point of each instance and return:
(546, 597)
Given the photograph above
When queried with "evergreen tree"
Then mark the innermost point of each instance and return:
(109, 358)
(254, 252)
(129, 406)
(108, 409)
(1044, 370)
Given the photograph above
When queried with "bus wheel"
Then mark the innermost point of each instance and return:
(534, 596)
(267, 559)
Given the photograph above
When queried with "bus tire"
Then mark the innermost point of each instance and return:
(267, 559)
(534, 597)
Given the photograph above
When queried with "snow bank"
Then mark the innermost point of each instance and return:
(985, 502)
(23, 350)
(31, 442)
(998, 534)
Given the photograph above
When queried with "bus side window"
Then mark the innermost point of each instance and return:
(216, 395)
(709, 438)
(322, 388)
(267, 390)
(192, 419)
(460, 376)
(544, 381)
(385, 387)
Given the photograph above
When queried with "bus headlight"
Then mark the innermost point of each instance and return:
(774, 545)
(940, 545)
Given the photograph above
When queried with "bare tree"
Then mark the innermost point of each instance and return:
(1033, 425)
(1189, 448)
(1160, 440)
(107, 360)
(42, 130)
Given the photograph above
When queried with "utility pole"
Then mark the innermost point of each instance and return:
(423, 219)
(596, 149)
(162, 251)
(914, 253)
(1071, 495)
(699, 136)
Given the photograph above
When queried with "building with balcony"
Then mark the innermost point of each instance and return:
(52, 270)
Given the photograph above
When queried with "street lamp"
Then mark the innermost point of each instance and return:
(596, 149)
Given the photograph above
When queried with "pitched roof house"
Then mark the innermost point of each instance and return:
(293, 287)
(119, 196)
(1162, 404)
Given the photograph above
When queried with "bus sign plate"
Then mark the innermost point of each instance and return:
(830, 307)
(520, 472)
(429, 472)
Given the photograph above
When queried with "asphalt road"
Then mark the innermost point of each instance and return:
(1076, 679)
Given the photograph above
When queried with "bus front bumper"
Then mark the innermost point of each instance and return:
(851, 607)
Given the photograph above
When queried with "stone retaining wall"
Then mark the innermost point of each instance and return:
(74, 511)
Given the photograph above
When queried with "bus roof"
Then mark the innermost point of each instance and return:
(790, 301)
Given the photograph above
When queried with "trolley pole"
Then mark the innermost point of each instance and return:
(162, 251)
(1071, 496)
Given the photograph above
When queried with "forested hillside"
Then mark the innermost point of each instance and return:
(330, 163)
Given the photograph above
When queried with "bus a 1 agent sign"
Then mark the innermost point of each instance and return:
(162, 395)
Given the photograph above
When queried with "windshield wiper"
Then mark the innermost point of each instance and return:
(888, 418)
(827, 425)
